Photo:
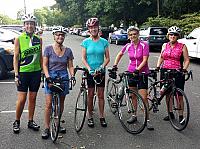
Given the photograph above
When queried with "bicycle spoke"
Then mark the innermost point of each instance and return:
(80, 110)
(127, 109)
(111, 95)
(178, 104)
(55, 118)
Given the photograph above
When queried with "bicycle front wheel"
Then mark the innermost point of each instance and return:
(111, 95)
(80, 110)
(55, 117)
(128, 109)
(179, 105)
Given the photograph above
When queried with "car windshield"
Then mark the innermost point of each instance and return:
(158, 31)
(195, 33)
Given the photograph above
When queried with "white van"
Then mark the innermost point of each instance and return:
(192, 41)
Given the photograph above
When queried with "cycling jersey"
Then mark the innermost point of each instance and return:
(95, 51)
(30, 52)
(136, 55)
(172, 56)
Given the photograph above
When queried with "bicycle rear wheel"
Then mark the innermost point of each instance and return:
(127, 110)
(55, 117)
(80, 110)
(111, 95)
(179, 105)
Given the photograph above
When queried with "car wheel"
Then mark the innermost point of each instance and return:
(116, 42)
(110, 40)
(3, 70)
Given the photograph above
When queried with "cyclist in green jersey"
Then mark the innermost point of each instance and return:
(27, 67)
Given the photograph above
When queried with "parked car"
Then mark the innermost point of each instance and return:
(6, 58)
(154, 36)
(19, 28)
(192, 41)
(8, 35)
(105, 31)
(85, 33)
(119, 36)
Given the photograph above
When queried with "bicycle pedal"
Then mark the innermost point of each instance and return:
(114, 105)
(155, 110)
(62, 121)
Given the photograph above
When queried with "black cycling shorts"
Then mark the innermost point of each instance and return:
(100, 79)
(29, 80)
(179, 79)
(141, 82)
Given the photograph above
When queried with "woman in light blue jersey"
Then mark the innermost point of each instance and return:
(95, 55)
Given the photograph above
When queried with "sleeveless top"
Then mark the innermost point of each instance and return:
(172, 56)
(30, 52)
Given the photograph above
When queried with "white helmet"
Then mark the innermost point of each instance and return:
(29, 18)
(133, 28)
(174, 29)
(59, 29)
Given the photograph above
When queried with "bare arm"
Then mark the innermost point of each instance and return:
(107, 60)
(144, 61)
(45, 66)
(118, 58)
(160, 59)
(84, 59)
(186, 58)
(16, 57)
(41, 59)
(71, 67)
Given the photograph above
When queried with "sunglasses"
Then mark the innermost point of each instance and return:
(174, 34)
(133, 34)
(63, 35)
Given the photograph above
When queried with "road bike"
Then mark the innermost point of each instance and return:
(57, 87)
(81, 101)
(177, 102)
(119, 97)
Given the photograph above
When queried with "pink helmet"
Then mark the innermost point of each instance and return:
(92, 22)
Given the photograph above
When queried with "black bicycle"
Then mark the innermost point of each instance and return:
(57, 87)
(81, 101)
(177, 102)
(119, 99)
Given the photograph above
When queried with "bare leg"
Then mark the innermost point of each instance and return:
(100, 92)
(47, 110)
(31, 104)
(20, 104)
(90, 101)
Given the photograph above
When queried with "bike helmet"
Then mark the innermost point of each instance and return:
(29, 18)
(92, 22)
(133, 28)
(174, 29)
(59, 29)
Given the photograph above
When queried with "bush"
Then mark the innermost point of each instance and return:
(187, 22)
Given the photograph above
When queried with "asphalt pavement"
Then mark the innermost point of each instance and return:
(114, 136)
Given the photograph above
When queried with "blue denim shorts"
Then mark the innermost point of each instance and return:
(62, 74)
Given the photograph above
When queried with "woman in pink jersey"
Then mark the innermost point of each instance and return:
(138, 52)
(174, 55)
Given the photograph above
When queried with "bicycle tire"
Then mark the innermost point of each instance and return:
(177, 122)
(55, 117)
(80, 110)
(111, 92)
(150, 98)
(125, 112)
(94, 101)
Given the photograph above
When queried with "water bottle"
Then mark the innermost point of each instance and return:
(121, 92)
(163, 89)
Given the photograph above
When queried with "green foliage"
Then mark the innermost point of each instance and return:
(6, 20)
(187, 22)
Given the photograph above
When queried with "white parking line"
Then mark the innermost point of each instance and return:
(25, 111)
(7, 82)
